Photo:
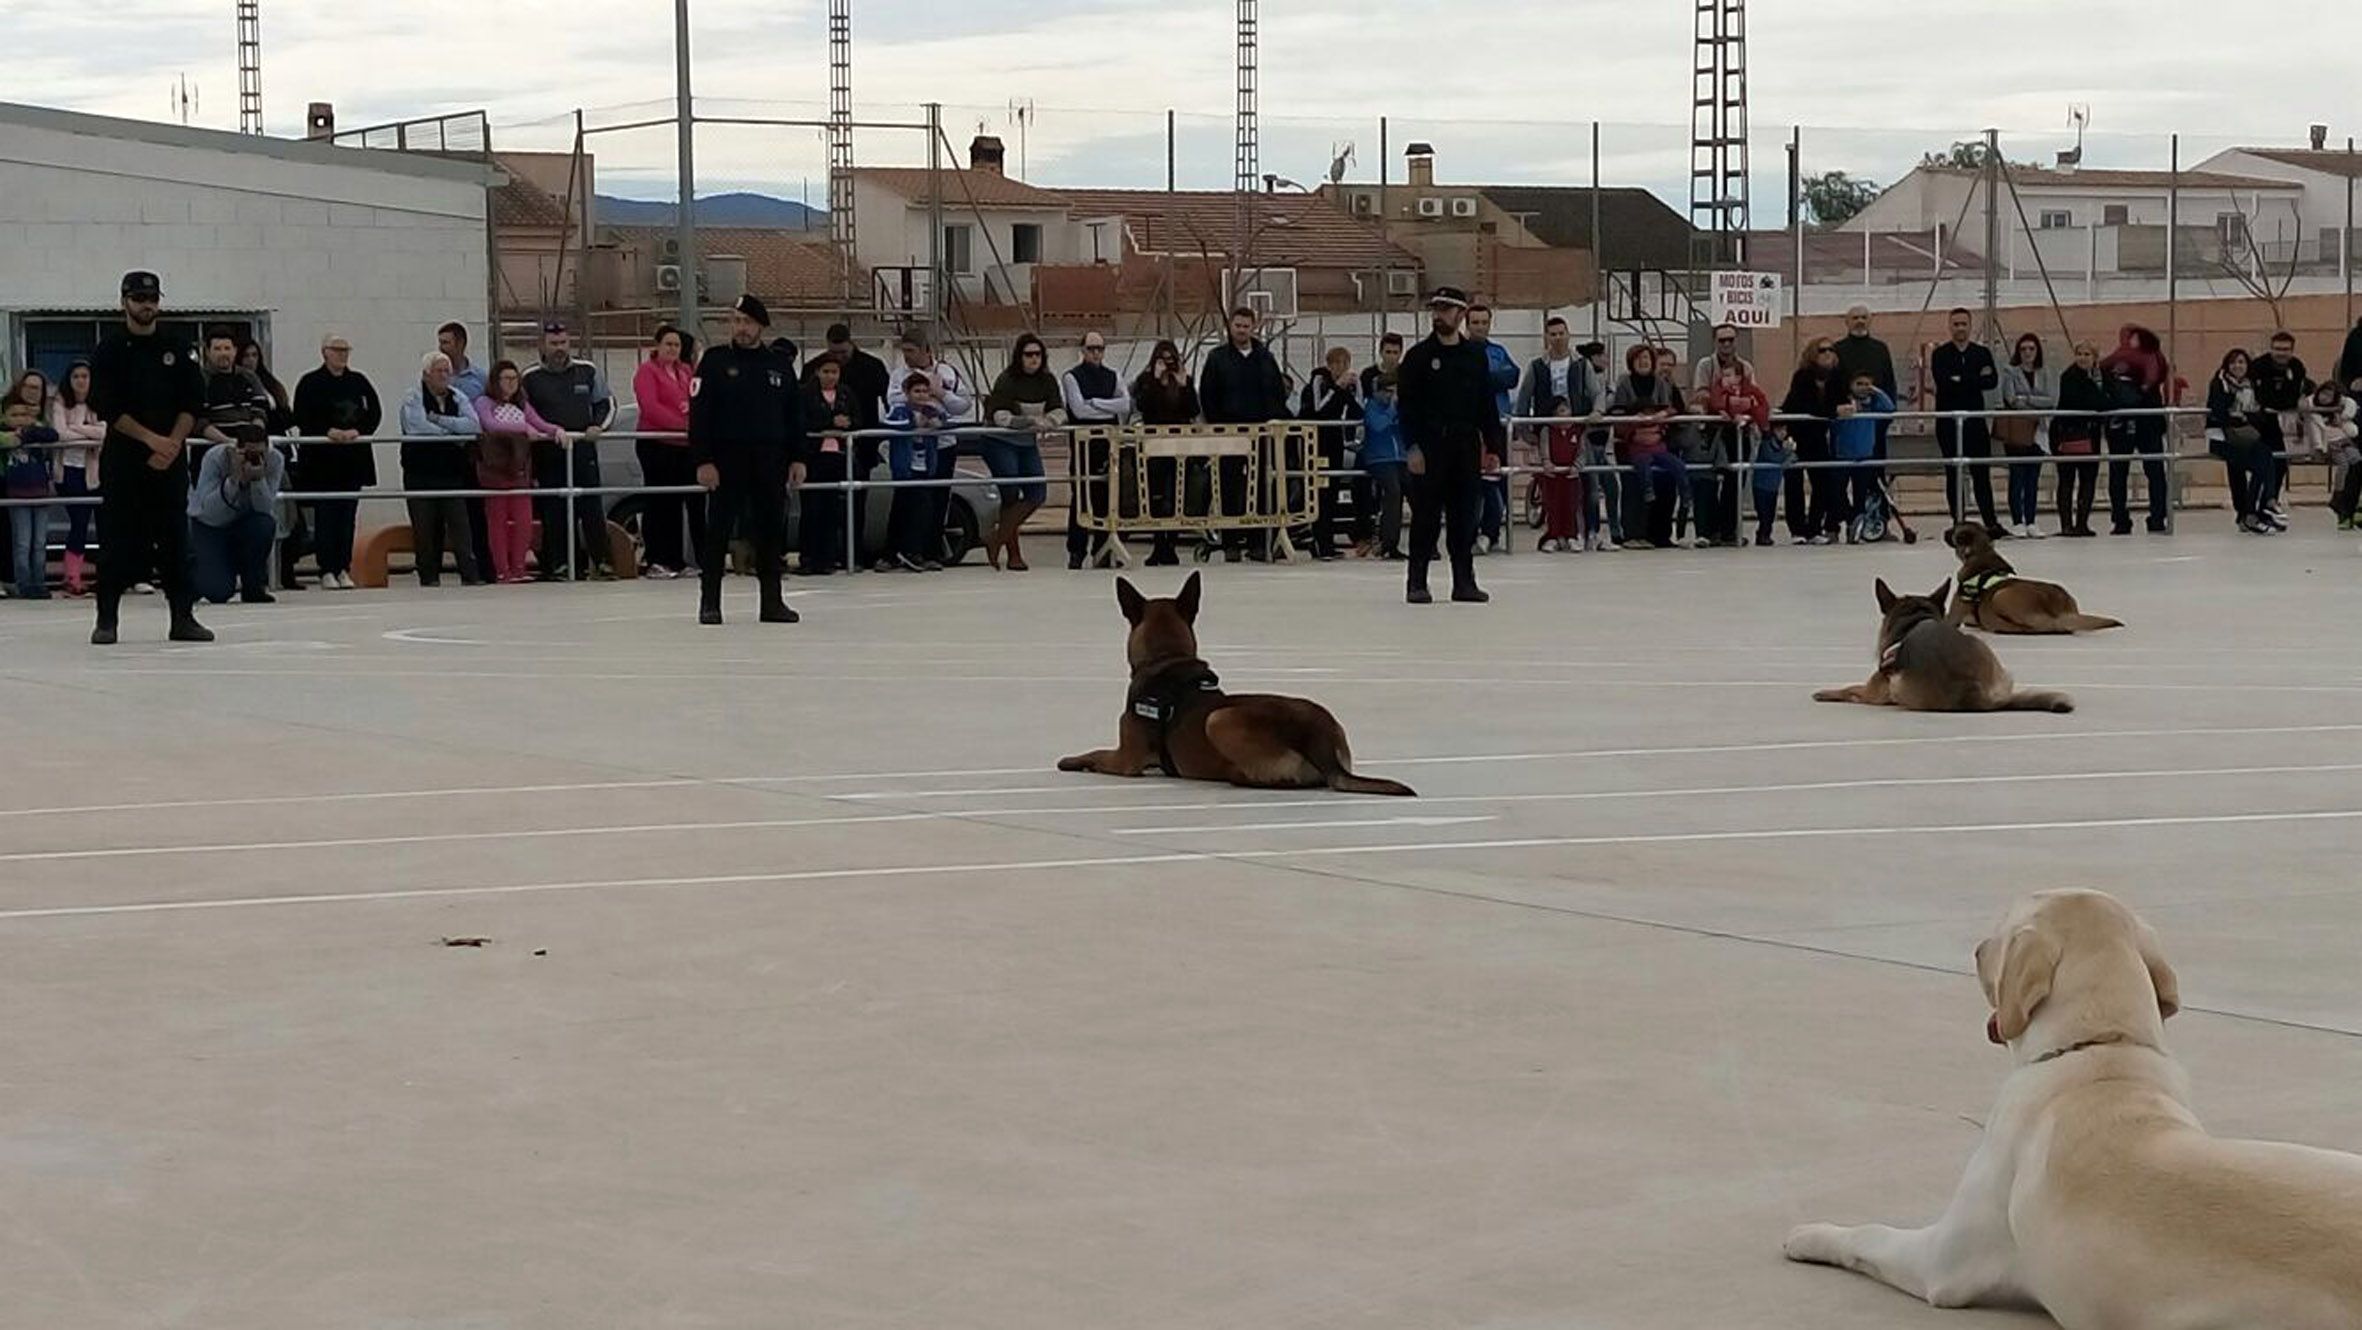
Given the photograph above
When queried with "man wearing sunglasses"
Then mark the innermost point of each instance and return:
(149, 392)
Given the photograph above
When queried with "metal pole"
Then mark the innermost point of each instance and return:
(2345, 242)
(1385, 228)
(2173, 321)
(573, 547)
(1169, 150)
(1992, 235)
(852, 506)
(1598, 246)
(1796, 225)
(935, 305)
(685, 219)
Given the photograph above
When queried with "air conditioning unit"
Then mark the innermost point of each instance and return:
(668, 277)
(1364, 205)
(1431, 207)
(1463, 207)
(1402, 282)
(668, 250)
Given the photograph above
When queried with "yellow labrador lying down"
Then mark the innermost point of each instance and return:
(2095, 1192)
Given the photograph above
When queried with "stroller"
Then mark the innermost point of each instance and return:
(1879, 513)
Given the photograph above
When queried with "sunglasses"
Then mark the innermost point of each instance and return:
(1726, 341)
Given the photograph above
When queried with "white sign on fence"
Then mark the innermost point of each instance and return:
(1746, 299)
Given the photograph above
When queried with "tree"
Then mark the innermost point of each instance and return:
(1833, 197)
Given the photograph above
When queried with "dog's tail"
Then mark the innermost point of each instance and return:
(1348, 783)
(2087, 623)
(2039, 700)
(1331, 756)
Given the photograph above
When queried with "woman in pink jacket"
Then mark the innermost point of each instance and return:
(79, 428)
(504, 461)
(662, 389)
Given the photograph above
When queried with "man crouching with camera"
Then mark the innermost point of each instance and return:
(232, 520)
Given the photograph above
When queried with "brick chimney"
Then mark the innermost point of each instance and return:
(986, 153)
(1421, 160)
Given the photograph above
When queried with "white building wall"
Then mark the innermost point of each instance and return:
(380, 256)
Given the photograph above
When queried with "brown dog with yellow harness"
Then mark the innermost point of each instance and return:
(1993, 597)
(1178, 719)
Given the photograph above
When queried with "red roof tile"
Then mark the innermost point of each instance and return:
(1285, 230)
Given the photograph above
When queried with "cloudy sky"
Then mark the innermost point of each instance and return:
(1504, 88)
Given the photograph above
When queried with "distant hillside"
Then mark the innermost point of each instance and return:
(744, 210)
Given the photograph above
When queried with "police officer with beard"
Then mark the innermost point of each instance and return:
(149, 392)
(746, 434)
(1453, 426)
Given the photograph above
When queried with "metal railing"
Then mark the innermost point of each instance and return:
(1312, 474)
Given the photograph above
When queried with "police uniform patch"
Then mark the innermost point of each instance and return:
(693, 385)
(168, 359)
(733, 371)
(1435, 362)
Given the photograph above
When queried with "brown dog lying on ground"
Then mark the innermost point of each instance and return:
(2095, 1191)
(1926, 664)
(1177, 718)
(1993, 597)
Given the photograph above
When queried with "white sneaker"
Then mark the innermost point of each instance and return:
(344, 582)
(2032, 532)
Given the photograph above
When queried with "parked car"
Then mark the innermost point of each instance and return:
(975, 505)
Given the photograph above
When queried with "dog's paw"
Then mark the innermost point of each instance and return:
(1815, 1244)
(1831, 695)
(1078, 762)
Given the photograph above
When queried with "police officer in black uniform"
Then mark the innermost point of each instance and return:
(746, 434)
(1453, 427)
(148, 391)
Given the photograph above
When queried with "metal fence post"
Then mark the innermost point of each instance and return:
(852, 504)
(573, 549)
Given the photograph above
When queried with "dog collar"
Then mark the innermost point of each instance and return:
(2097, 1041)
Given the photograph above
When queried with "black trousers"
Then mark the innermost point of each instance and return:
(2078, 480)
(1448, 499)
(1968, 438)
(146, 517)
(2142, 437)
(666, 516)
(821, 535)
(751, 500)
(437, 525)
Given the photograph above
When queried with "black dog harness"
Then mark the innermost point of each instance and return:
(1161, 697)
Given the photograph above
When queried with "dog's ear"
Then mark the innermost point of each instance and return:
(1191, 592)
(1886, 596)
(2028, 961)
(1129, 598)
(2161, 975)
(1942, 593)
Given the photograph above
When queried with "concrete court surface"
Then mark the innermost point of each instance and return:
(815, 997)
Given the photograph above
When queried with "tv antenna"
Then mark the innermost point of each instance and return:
(1021, 115)
(2078, 116)
(1341, 156)
(184, 99)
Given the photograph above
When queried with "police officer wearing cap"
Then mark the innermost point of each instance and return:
(746, 434)
(1453, 426)
(148, 391)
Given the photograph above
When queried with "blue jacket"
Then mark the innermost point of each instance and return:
(1504, 369)
(1381, 432)
(1854, 438)
(913, 455)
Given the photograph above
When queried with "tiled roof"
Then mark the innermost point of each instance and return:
(985, 189)
(785, 268)
(2328, 161)
(1287, 230)
(520, 202)
(1639, 230)
(2043, 177)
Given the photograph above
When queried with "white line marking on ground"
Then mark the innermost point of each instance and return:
(1297, 826)
(1119, 861)
(1677, 750)
(1130, 809)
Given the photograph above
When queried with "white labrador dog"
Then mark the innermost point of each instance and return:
(2095, 1192)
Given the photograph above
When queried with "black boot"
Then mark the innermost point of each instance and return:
(709, 597)
(1464, 587)
(775, 608)
(1418, 594)
(185, 627)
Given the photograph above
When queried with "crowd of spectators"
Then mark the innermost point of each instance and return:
(1636, 455)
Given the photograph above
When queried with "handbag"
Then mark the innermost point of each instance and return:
(2017, 433)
